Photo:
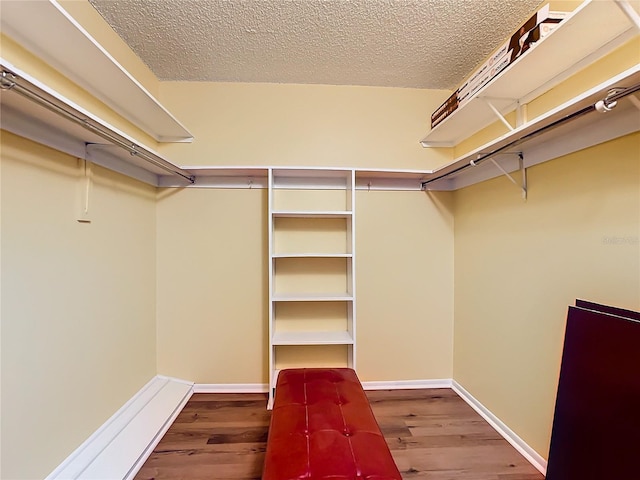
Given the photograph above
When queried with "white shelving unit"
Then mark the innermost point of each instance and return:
(312, 312)
(31, 119)
(594, 29)
(579, 133)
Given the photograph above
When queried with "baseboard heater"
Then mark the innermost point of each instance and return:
(118, 449)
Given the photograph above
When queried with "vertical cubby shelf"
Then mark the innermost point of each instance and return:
(311, 281)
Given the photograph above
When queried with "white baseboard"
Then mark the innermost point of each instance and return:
(264, 387)
(407, 384)
(231, 388)
(120, 446)
(509, 435)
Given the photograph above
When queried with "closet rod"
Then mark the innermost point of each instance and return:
(604, 105)
(11, 81)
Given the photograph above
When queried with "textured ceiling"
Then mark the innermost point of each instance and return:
(398, 43)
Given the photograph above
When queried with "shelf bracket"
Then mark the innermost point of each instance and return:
(499, 115)
(83, 190)
(629, 11)
(523, 174)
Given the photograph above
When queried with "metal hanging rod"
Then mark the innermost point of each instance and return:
(604, 105)
(13, 82)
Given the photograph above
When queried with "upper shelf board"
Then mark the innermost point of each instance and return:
(48, 31)
(31, 119)
(588, 129)
(296, 178)
(594, 29)
(312, 338)
(312, 214)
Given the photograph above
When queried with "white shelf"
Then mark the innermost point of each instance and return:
(312, 255)
(48, 31)
(316, 257)
(311, 214)
(256, 177)
(594, 29)
(28, 118)
(312, 297)
(389, 179)
(312, 338)
(588, 130)
(235, 177)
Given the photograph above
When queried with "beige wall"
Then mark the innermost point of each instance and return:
(319, 125)
(212, 275)
(518, 265)
(78, 304)
(404, 284)
(212, 266)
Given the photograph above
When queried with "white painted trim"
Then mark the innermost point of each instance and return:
(152, 445)
(407, 384)
(264, 387)
(509, 435)
(231, 388)
(123, 442)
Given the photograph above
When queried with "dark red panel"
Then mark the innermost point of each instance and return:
(596, 426)
(621, 312)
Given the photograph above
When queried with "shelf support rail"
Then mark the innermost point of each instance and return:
(523, 172)
(11, 81)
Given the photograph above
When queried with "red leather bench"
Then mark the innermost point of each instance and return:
(322, 427)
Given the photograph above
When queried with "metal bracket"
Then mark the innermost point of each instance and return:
(523, 173)
(84, 188)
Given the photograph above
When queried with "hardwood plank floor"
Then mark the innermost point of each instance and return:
(435, 435)
(432, 434)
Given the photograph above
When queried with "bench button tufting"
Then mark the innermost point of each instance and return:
(326, 419)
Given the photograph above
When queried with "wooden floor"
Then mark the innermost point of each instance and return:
(432, 434)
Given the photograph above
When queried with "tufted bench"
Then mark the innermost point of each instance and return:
(322, 427)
